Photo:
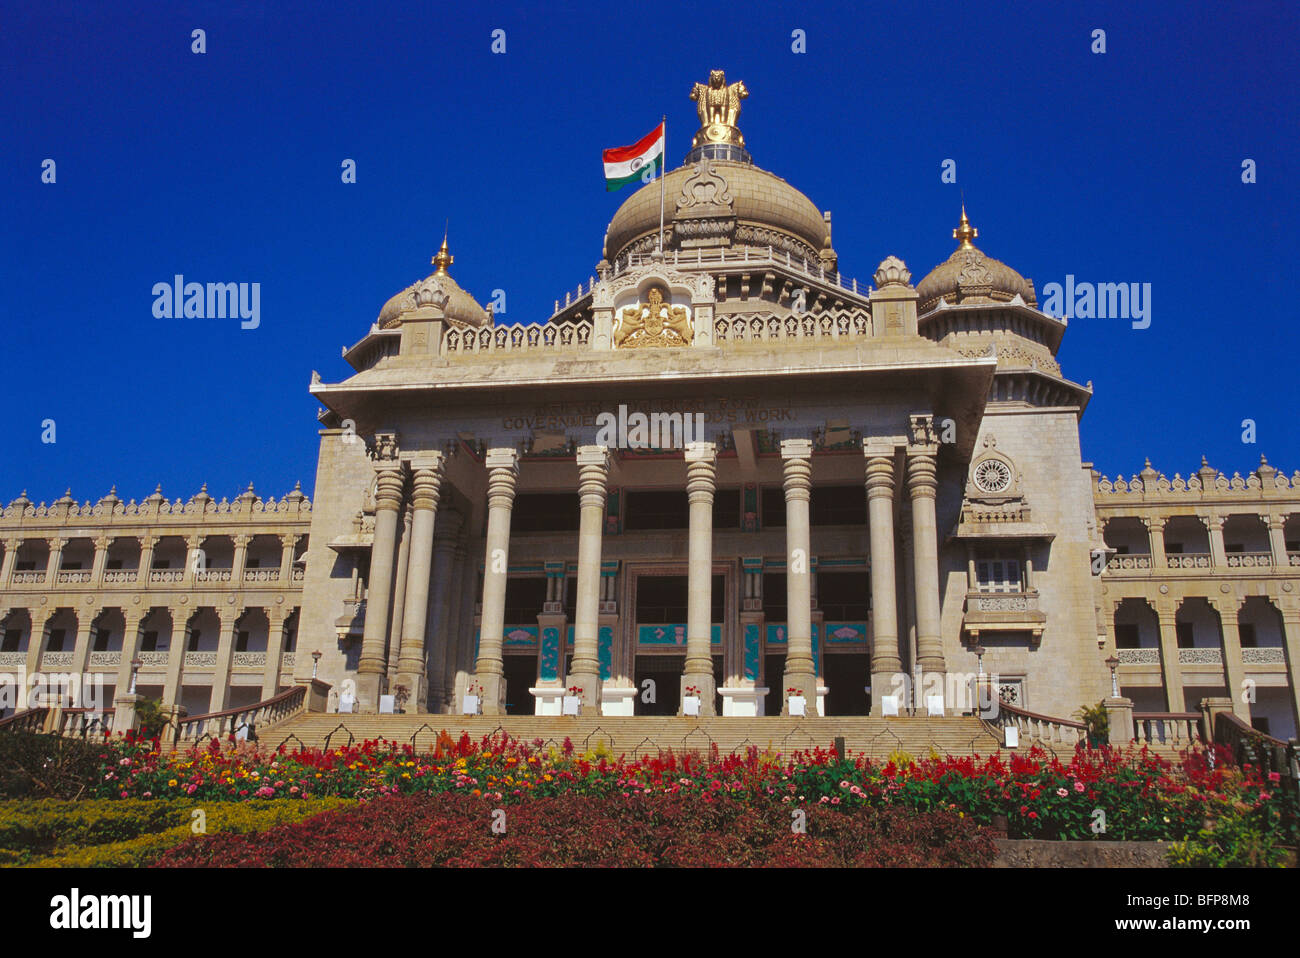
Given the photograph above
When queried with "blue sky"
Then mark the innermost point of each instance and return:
(225, 167)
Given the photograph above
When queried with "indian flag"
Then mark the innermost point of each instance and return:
(641, 161)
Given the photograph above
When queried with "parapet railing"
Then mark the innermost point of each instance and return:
(195, 728)
(1167, 728)
(1037, 729)
(28, 720)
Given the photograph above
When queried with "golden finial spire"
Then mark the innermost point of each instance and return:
(965, 232)
(443, 259)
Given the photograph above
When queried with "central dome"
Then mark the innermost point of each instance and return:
(719, 202)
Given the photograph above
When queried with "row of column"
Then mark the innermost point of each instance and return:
(1155, 526)
(800, 670)
(194, 558)
(176, 648)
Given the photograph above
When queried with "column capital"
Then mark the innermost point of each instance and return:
(1275, 521)
(290, 539)
(880, 474)
(796, 449)
(57, 542)
(103, 541)
(242, 540)
(593, 456)
(922, 472)
(593, 472)
(1213, 522)
(147, 542)
(502, 457)
(1226, 604)
(196, 540)
(12, 543)
(701, 472)
(797, 478)
(383, 448)
(389, 488)
(426, 480)
(1154, 523)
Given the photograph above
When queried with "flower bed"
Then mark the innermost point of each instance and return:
(660, 830)
(1104, 794)
(97, 833)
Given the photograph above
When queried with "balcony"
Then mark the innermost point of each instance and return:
(1250, 560)
(261, 575)
(1125, 562)
(1139, 656)
(1004, 612)
(1200, 656)
(105, 660)
(200, 660)
(1189, 560)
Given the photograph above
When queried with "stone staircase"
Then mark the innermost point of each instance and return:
(875, 738)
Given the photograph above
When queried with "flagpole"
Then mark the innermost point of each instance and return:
(663, 168)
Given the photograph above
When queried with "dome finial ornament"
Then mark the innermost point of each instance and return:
(718, 105)
(965, 232)
(444, 258)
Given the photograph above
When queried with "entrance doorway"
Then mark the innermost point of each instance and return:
(665, 671)
(521, 675)
(846, 678)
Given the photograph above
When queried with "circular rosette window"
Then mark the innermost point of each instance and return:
(993, 475)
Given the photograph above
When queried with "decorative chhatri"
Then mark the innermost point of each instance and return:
(719, 108)
(653, 323)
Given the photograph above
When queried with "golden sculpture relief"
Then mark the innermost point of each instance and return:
(719, 108)
(653, 323)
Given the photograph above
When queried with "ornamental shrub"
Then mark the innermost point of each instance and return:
(46, 766)
(660, 830)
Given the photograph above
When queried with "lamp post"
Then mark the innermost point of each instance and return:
(1113, 663)
(315, 661)
(135, 674)
(979, 676)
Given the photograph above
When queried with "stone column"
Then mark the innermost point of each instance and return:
(12, 545)
(885, 662)
(225, 654)
(399, 600)
(438, 629)
(240, 560)
(195, 559)
(800, 670)
(147, 544)
(1120, 712)
(1276, 542)
(459, 662)
(372, 667)
(176, 643)
(1156, 536)
(1234, 669)
(489, 668)
(1291, 639)
(36, 641)
(274, 648)
(922, 486)
(426, 486)
(55, 560)
(584, 671)
(1169, 662)
(1218, 554)
(101, 558)
(85, 623)
(130, 644)
(700, 482)
(288, 545)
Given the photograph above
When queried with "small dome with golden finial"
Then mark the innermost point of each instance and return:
(969, 276)
(436, 291)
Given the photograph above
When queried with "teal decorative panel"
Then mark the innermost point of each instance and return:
(605, 651)
(672, 634)
(776, 633)
(845, 632)
(751, 651)
(550, 659)
(520, 635)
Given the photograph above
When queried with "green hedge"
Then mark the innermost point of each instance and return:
(110, 833)
(47, 766)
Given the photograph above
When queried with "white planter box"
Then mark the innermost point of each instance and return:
(470, 705)
(572, 705)
(798, 704)
(691, 705)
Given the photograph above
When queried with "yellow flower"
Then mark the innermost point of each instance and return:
(406, 775)
(172, 783)
(546, 778)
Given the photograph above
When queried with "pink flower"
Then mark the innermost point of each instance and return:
(835, 800)
(844, 784)
(1079, 786)
(1062, 792)
(1274, 777)
(191, 789)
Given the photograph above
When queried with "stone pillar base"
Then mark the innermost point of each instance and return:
(370, 685)
(317, 696)
(124, 715)
(821, 700)
(618, 701)
(418, 687)
(743, 702)
(1120, 713)
(546, 701)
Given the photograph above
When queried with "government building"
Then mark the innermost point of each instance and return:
(723, 474)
